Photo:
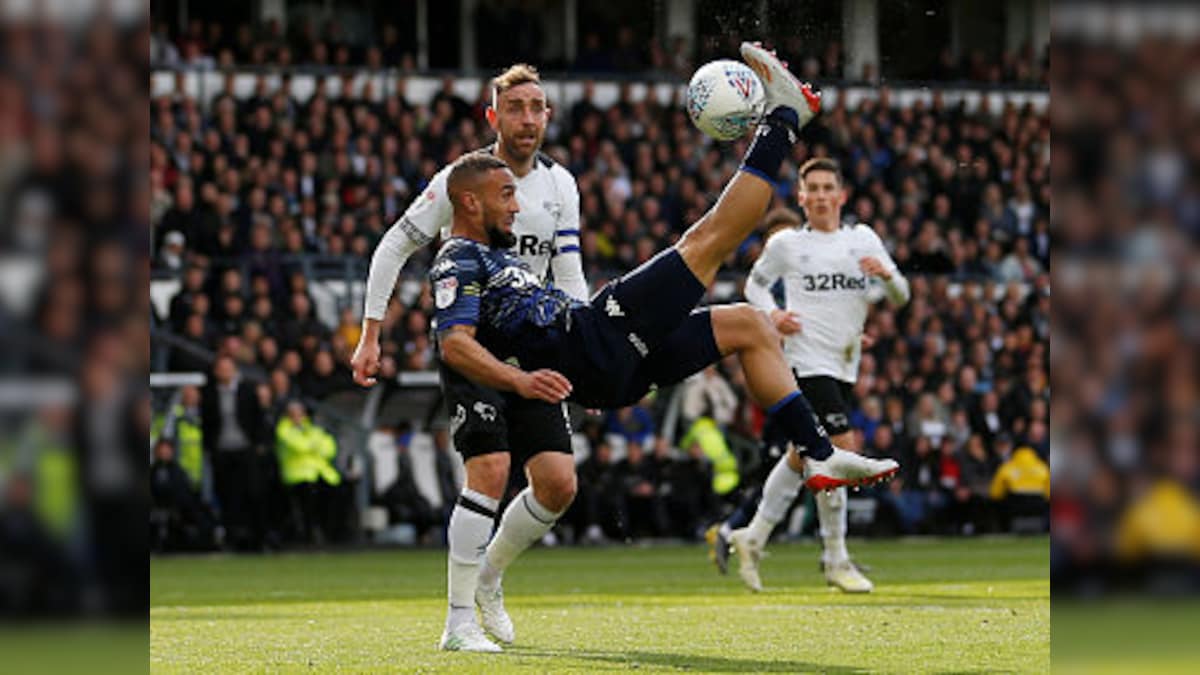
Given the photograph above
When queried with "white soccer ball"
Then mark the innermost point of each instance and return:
(725, 99)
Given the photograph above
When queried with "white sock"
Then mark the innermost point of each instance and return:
(831, 511)
(779, 492)
(524, 522)
(470, 526)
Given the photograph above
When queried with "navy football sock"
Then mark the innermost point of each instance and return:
(792, 419)
(772, 143)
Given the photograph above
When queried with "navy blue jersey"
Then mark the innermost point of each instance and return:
(638, 331)
(497, 292)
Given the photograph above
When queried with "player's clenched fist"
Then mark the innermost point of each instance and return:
(546, 385)
(874, 267)
(365, 362)
(787, 323)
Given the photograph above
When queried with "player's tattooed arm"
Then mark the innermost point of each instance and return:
(462, 352)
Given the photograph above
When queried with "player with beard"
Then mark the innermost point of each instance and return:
(495, 431)
(500, 326)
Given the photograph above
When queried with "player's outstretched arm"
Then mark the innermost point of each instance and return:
(391, 254)
(462, 352)
(418, 227)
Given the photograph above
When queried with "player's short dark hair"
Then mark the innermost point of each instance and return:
(779, 218)
(821, 164)
(468, 169)
(514, 76)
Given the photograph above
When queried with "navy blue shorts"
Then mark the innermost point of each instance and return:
(484, 420)
(639, 331)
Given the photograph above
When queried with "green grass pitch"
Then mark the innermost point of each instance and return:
(979, 605)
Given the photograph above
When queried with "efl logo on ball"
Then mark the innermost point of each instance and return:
(725, 99)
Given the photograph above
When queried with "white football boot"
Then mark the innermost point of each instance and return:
(749, 552)
(467, 637)
(844, 468)
(493, 616)
(846, 576)
(781, 87)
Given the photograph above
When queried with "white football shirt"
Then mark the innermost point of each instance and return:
(546, 227)
(824, 287)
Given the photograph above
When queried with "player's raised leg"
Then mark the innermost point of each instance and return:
(527, 519)
(707, 335)
(470, 527)
(790, 105)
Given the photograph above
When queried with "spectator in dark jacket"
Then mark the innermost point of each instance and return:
(971, 501)
(234, 437)
(685, 489)
(596, 512)
(643, 513)
(404, 500)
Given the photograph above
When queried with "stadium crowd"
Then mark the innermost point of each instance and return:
(75, 349)
(953, 384)
(1126, 477)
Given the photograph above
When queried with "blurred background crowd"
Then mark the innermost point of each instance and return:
(263, 201)
(74, 351)
(1126, 466)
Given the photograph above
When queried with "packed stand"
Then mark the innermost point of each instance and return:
(245, 190)
(1126, 510)
(74, 347)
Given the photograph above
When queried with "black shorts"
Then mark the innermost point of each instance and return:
(831, 399)
(483, 420)
(639, 331)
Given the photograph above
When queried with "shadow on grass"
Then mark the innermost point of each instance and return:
(982, 600)
(698, 662)
(714, 664)
(224, 616)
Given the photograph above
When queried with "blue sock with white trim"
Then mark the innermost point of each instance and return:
(773, 142)
(792, 419)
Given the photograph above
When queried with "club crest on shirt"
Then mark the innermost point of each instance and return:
(444, 292)
(553, 208)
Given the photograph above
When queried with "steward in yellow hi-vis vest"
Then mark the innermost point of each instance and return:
(181, 425)
(1163, 523)
(1023, 474)
(305, 451)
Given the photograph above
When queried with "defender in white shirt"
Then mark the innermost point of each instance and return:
(494, 431)
(831, 274)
